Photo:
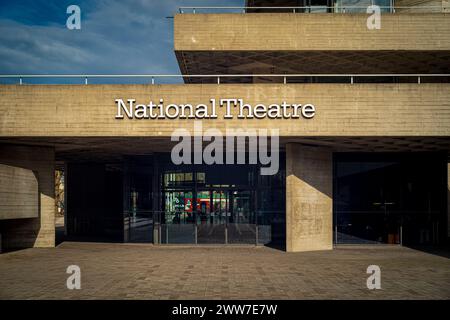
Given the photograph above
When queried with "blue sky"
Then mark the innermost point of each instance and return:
(116, 36)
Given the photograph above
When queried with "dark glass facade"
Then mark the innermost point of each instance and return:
(94, 201)
(390, 198)
(378, 198)
(321, 6)
(202, 204)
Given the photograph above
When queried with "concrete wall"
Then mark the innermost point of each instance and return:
(289, 31)
(29, 232)
(421, 5)
(309, 210)
(341, 109)
(18, 193)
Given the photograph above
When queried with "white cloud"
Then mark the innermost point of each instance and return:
(116, 36)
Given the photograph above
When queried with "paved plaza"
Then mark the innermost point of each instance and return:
(134, 271)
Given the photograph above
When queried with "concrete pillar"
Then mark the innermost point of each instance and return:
(28, 213)
(309, 209)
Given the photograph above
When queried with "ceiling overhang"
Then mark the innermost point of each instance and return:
(310, 62)
(115, 148)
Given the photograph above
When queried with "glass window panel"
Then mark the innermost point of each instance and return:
(388, 198)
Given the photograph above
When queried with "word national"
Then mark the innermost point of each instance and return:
(230, 108)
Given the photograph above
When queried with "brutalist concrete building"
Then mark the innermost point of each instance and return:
(363, 137)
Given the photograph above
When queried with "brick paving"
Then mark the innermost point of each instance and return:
(133, 271)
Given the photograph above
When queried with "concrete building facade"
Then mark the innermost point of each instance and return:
(371, 165)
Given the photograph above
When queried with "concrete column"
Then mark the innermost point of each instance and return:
(28, 213)
(309, 210)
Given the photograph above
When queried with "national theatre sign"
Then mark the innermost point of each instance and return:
(128, 108)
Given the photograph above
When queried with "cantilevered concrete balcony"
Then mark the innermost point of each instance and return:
(245, 43)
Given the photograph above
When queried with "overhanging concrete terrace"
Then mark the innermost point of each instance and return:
(311, 43)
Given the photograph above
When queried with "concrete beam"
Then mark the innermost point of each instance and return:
(342, 110)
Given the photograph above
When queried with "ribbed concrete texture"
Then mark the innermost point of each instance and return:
(19, 196)
(20, 232)
(422, 5)
(341, 109)
(309, 214)
(296, 31)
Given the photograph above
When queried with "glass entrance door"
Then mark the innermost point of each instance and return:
(241, 227)
(225, 216)
(386, 205)
(195, 204)
(178, 218)
(213, 208)
(138, 203)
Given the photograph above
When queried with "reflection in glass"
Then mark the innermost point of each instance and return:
(224, 203)
(138, 202)
(388, 198)
(360, 6)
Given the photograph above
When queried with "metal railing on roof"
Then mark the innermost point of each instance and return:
(218, 77)
(308, 9)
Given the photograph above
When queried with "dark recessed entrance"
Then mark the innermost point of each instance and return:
(378, 198)
(202, 204)
(390, 198)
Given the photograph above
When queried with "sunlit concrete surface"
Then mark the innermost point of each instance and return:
(133, 271)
